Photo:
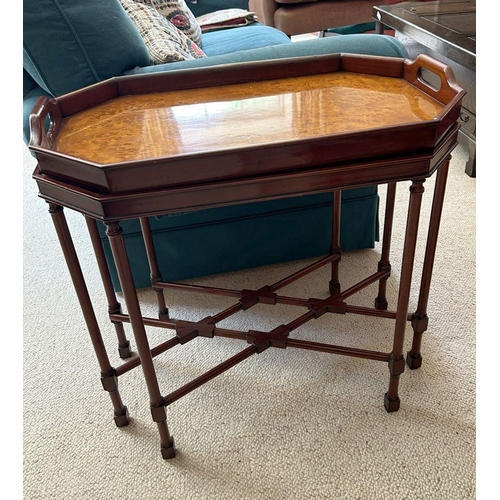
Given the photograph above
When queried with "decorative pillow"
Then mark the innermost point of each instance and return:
(164, 41)
(69, 45)
(226, 18)
(179, 14)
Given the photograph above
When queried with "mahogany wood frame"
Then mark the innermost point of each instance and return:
(96, 201)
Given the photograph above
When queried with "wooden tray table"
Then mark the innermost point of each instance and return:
(160, 143)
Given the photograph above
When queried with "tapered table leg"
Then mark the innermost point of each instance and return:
(396, 361)
(335, 248)
(153, 267)
(384, 263)
(108, 375)
(419, 319)
(114, 307)
(157, 402)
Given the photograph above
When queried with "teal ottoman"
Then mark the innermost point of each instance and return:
(223, 239)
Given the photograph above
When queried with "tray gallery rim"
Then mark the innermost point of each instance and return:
(287, 156)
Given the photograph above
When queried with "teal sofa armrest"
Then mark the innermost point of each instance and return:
(31, 92)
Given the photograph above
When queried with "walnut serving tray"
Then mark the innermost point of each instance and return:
(182, 128)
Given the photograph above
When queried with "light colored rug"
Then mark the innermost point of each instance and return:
(287, 424)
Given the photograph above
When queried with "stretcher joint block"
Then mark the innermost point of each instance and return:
(333, 304)
(263, 295)
(109, 381)
(396, 365)
(188, 330)
(419, 323)
(159, 413)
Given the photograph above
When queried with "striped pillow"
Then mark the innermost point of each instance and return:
(164, 41)
(178, 13)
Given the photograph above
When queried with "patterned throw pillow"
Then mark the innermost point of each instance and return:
(178, 13)
(164, 41)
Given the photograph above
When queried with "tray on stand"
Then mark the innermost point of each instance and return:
(133, 147)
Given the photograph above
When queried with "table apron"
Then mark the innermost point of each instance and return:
(217, 194)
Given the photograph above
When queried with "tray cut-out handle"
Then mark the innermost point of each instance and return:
(416, 74)
(45, 119)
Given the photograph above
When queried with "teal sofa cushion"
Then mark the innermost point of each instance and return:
(254, 36)
(377, 45)
(70, 44)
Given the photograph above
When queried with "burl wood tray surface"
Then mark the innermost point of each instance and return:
(181, 128)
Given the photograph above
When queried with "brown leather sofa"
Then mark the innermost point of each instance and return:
(295, 17)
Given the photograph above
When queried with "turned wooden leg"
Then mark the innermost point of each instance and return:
(114, 307)
(335, 248)
(419, 319)
(108, 375)
(157, 402)
(384, 263)
(397, 362)
(153, 267)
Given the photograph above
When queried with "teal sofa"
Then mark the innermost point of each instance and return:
(69, 44)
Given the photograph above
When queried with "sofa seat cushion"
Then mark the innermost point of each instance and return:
(377, 45)
(68, 45)
(231, 40)
(165, 42)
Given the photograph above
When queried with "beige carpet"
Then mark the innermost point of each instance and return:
(286, 424)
